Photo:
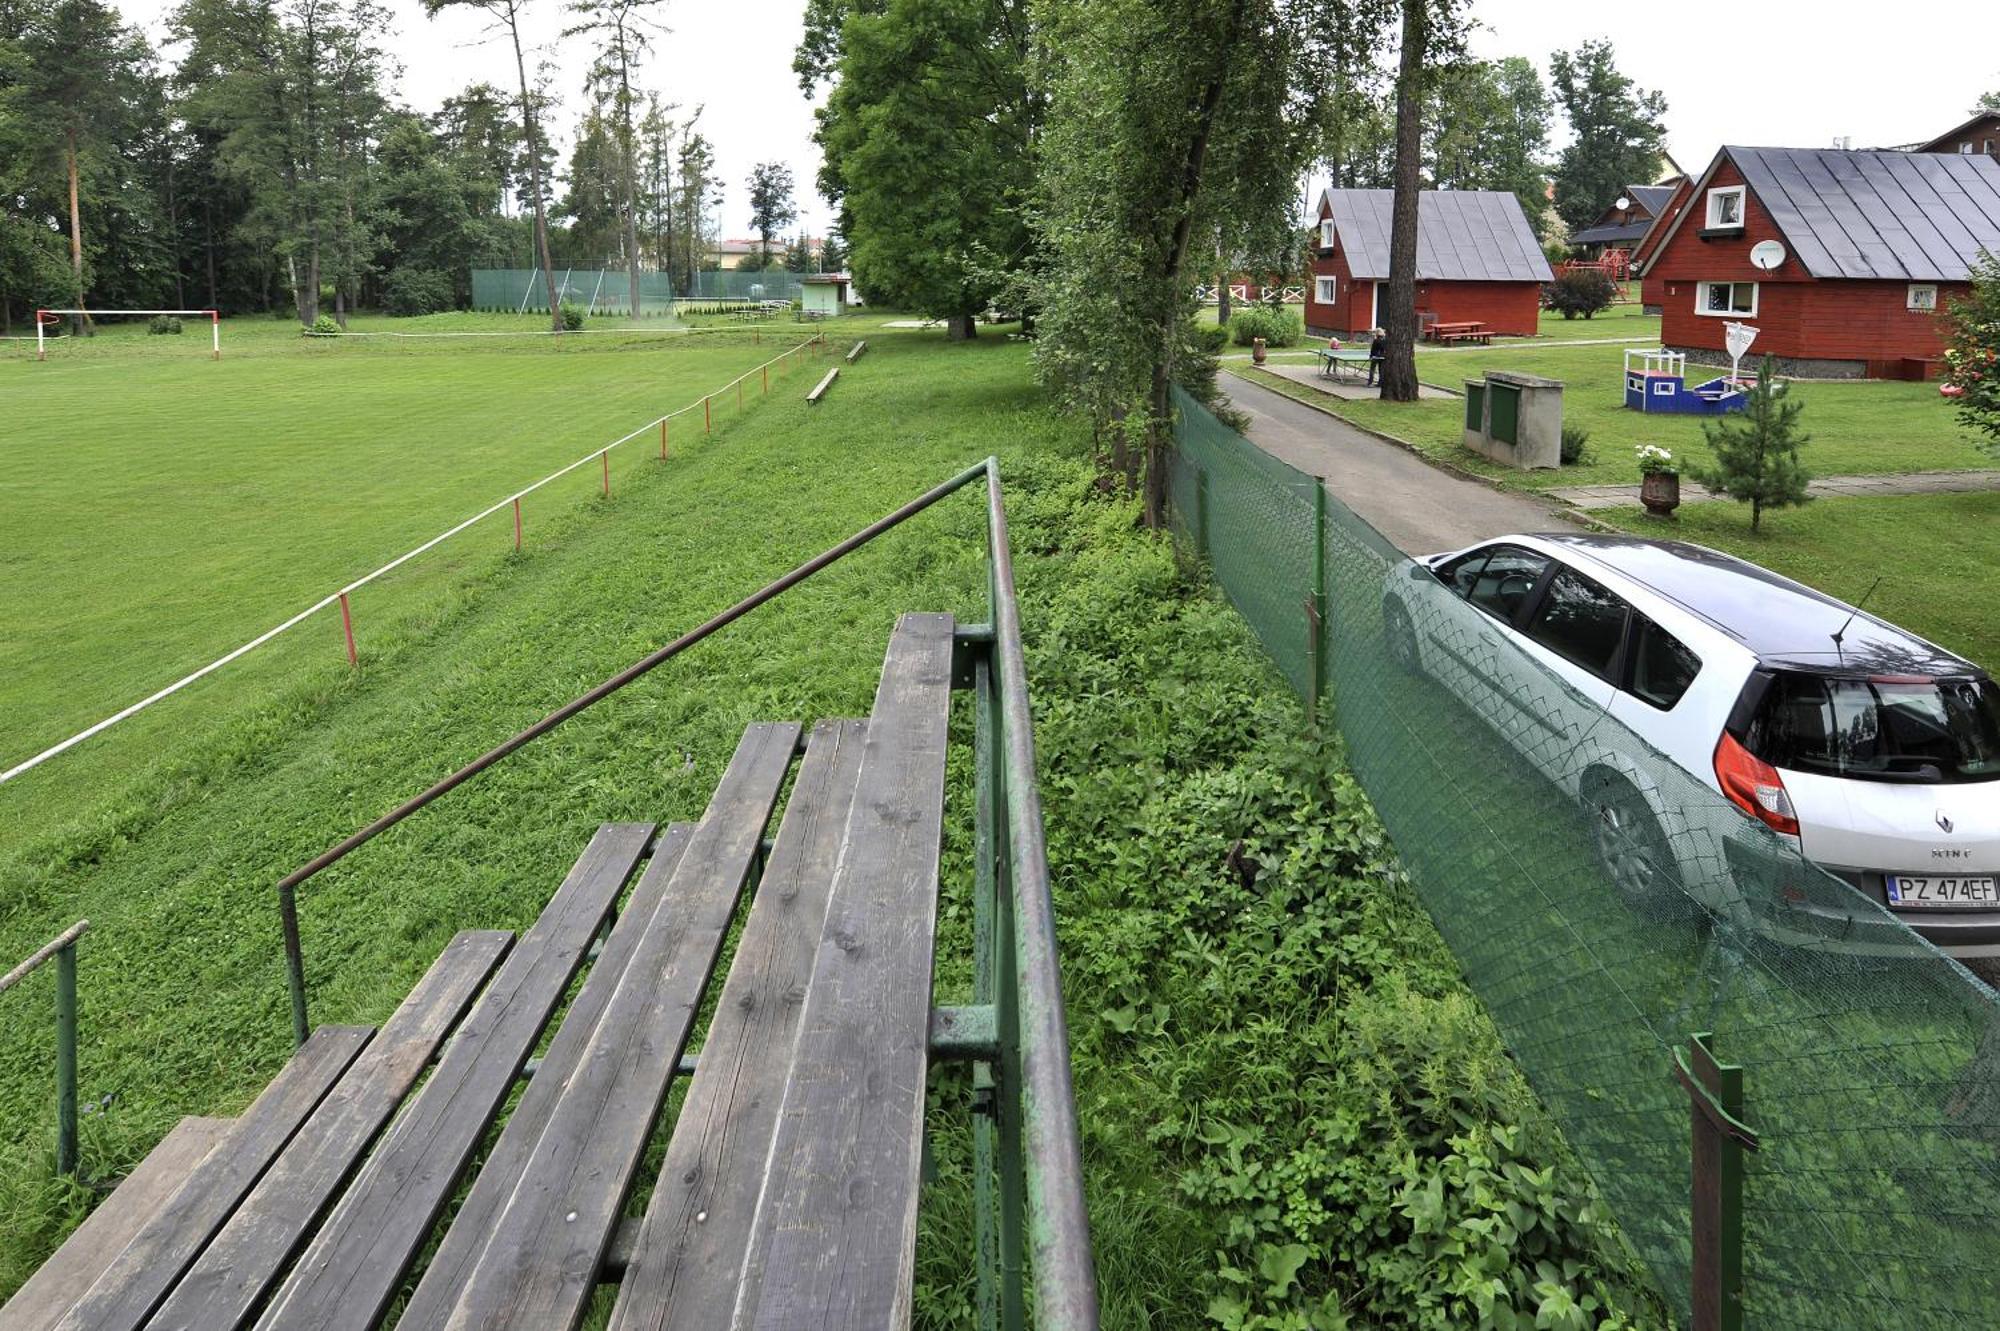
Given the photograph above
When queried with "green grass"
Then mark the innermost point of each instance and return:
(1618, 321)
(1935, 555)
(1859, 428)
(1164, 736)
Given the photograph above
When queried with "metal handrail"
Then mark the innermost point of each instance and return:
(63, 948)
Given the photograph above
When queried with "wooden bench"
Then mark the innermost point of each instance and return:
(819, 391)
(788, 1193)
(855, 352)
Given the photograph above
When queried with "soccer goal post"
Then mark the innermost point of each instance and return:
(45, 318)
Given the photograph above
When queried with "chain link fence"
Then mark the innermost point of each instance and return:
(609, 291)
(1606, 906)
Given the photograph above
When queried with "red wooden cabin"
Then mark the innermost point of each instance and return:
(1873, 245)
(1477, 259)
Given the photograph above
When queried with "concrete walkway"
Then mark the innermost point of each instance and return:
(1420, 508)
(1350, 387)
(1826, 487)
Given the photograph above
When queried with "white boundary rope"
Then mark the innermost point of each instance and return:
(334, 598)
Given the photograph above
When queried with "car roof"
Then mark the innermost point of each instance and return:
(1787, 624)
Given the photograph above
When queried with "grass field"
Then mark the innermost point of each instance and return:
(175, 507)
(1859, 428)
(1165, 736)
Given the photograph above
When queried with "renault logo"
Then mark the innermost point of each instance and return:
(1943, 822)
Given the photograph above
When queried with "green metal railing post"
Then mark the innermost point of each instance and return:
(1013, 1086)
(1201, 512)
(62, 950)
(1720, 1137)
(66, 1060)
(295, 960)
(985, 1089)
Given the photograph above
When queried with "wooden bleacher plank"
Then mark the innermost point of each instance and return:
(812, 398)
(74, 1268)
(449, 1265)
(684, 1271)
(352, 1269)
(140, 1276)
(222, 1289)
(538, 1267)
(834, 1243)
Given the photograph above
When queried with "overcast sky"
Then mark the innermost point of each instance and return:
(1788, 73)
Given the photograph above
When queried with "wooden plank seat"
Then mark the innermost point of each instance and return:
(820, 390)
(787, 1195)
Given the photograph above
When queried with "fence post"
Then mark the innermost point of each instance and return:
(1316, 608)
(1201, 512)
(663, 438)
(517, 522)
(347, 627)
(66, 1060)
(1720, 1137)
(605, 458)
(707, 421)
(765, 370)
(295, 959)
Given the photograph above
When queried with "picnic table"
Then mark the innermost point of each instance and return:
(1332, 363)
(1464, 330)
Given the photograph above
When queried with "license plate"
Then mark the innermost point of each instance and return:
(1943, 891)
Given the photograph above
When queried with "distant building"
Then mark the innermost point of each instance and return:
(1477, 259)
(726, 254)
(1860, 250)
(1651, 294)
(1622, 227)
(825, 294)
(1981, 134)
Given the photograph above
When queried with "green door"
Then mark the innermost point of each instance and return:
(1506, 412)
(1475, 406)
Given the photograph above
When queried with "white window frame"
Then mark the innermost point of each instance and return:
(1326, 233)
(1326, 289)
(1966, 147)
(1715, 196)
(1928, 304)
(1701, 300)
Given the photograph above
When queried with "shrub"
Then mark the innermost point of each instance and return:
(413, 291)
(1972, 357)
(324, 325)
(164, 325)
(1582, 291)
(1278, 325)
(1575, 444)
(572, 317)
(1215, 337)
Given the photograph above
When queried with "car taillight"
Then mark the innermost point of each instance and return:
(1754, 786)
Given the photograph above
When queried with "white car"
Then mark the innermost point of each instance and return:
(1626, 669)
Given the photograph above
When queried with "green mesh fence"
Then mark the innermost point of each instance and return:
(608, 291)
(1872, 1062)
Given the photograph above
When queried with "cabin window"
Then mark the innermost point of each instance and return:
(1725, 298)
(1923, 296)
(1989, 148)
(1725, 206)
(1966, 147)
(1326, 233)
(1323, 290)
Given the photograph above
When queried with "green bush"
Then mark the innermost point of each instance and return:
(1582, 291)
(412, 291)
(1278, 325)
(324, 325)
(1575, 444)
(572, 317)
(164, 325)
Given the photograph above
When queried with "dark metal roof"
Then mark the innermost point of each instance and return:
(1610, 235)
(1920, 217)
(1650, 197)
(1785, 623)
(1462, 235)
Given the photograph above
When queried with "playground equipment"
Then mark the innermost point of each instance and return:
(1658, 383)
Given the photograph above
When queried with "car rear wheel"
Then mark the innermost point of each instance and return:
(1400, 636)
(1634, 850)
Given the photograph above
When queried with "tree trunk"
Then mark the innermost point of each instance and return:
(961, 327)
(1399, 322)
(208, 235)
(77, 321)
(631, 165)
(1159, 428)
(1222, 299)
(535, 173)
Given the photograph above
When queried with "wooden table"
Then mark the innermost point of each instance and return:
(1466, 330)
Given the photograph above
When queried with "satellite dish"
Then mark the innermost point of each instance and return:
(1623, 203)
(1767, 254)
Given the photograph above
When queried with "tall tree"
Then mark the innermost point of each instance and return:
(932, 117)
(1617, 129)
(1433, 35)
(697, 194)
(507, 14)
(623, 30)
(1488, 124)
(771, 206)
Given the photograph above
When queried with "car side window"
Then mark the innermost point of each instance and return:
(1580, 621)
(1505, 580)
(1662, 666)
(1458, 574)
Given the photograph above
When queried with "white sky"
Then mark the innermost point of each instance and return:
(1786, 73)
(733, 59)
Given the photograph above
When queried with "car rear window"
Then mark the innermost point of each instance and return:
(1880, 727)
(1662, 666)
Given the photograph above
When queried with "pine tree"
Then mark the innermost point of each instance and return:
(1757, 451)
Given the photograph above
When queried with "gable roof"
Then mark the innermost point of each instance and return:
(1646, 201)
(1943, 141)
(1650, 197)
(1663, 219)
(1463, 235)
(1877, 214)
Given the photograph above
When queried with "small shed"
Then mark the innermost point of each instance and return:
(1477, 259)
(1840, 259)
(824, 294)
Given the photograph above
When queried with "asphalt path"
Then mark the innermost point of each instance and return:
(1420, 508)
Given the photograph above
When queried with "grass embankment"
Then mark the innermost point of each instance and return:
(1858, 428)
(1291, 1106)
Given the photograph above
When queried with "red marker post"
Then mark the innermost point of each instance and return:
(347, 627)
(517, 522)
(605, 458)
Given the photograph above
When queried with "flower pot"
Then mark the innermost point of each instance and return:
(1660, 492)
(1257, 350)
